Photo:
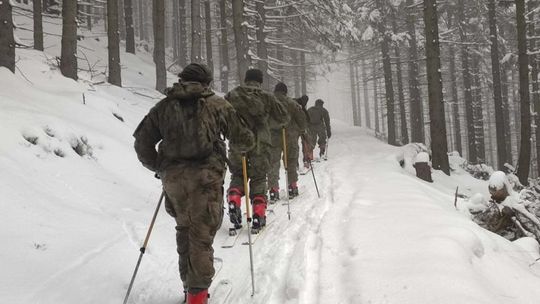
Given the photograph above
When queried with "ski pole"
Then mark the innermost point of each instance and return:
(143, 248)
(314, 179)
(285, 164)
(248, 216)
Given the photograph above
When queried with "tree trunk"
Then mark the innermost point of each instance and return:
(183, 42)
(497, 92)
(7, 40)
(262, 48)
(208, 23)
(366, 94)
(387, 68)
(38, 25)
(524, 161)
(142, 16)
(375, 94)
(240, 39)
(122, 19)
(478, 111)
(358, 103)
(159, 44)
(296, 73)
(353, 93)
(68, 59)
(89, 12)
(225, 64)
(415, 99)
(439, 145)
(175, 29)
(467, 94)
(130, 30)
(115, 77)
(455, 101)
(196, 52)
(533, 63)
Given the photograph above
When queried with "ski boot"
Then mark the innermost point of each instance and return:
(234, 197)
(293, 190)
(259, 213)
(274, 195)
(198, 296)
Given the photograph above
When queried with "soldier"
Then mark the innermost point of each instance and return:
(295, 128)
(276, 148)
(190, 160)
(258, 108)
(307, 150)
(319, 127)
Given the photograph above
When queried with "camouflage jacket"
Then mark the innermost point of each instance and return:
(188, 125)
(319, 116)
(259, 109)
(298, 121)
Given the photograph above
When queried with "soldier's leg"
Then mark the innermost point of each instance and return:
(206, 216)
(259, 165)
(236, 188)
(292, 163)
(275, 162)
(177, 193)
(322, 140)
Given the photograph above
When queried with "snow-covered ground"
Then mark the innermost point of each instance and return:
(72, 225)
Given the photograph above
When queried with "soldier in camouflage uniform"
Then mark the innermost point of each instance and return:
(188, 125)
(319, 126)
(276, 148)
(296, 127)
(307, 150)
(258, 108)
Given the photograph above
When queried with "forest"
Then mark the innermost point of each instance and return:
(460, 76)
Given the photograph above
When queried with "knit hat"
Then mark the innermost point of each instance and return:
(196, 72)
(254, 75)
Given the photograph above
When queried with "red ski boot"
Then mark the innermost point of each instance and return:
(200, 297)
(259, 213)
(234, 198)
(293, 190)
(274, 195)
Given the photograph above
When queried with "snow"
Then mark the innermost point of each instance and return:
(422, 157)
(73, 224)
(498, 180)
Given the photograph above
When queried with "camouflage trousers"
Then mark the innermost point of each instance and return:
(276, 153)
(258, 164)
(317, 135)
(195, 200)
(275, 159)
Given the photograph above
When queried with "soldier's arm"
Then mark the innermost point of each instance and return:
(147, 135)
(300, 118)
(326, 118)
(235, 129)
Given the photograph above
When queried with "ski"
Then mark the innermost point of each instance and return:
(218, 265)
(220, 291)
(230, 241)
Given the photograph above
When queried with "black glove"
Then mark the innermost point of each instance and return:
(328, 133)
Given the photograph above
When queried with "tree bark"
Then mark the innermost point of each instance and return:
(387, 69)
(68, 59)
(113, 39)
(524, 161)
(130, 30)
(353, 93)
(225, 63)
(262, 48)
(533, 63)
(375, 94)
(366, 94)
(478, 111)
(159, 44)
(175, 29)
(455, 101)
(497, 92)
(208, 23)
(183, 42)
(142, 27)
(7, 40)
(467, 94)
(439, 145)
(196, 47)
(358, 103)
(415, 96)
(121, 19)
(240, 39)
(38, 25)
